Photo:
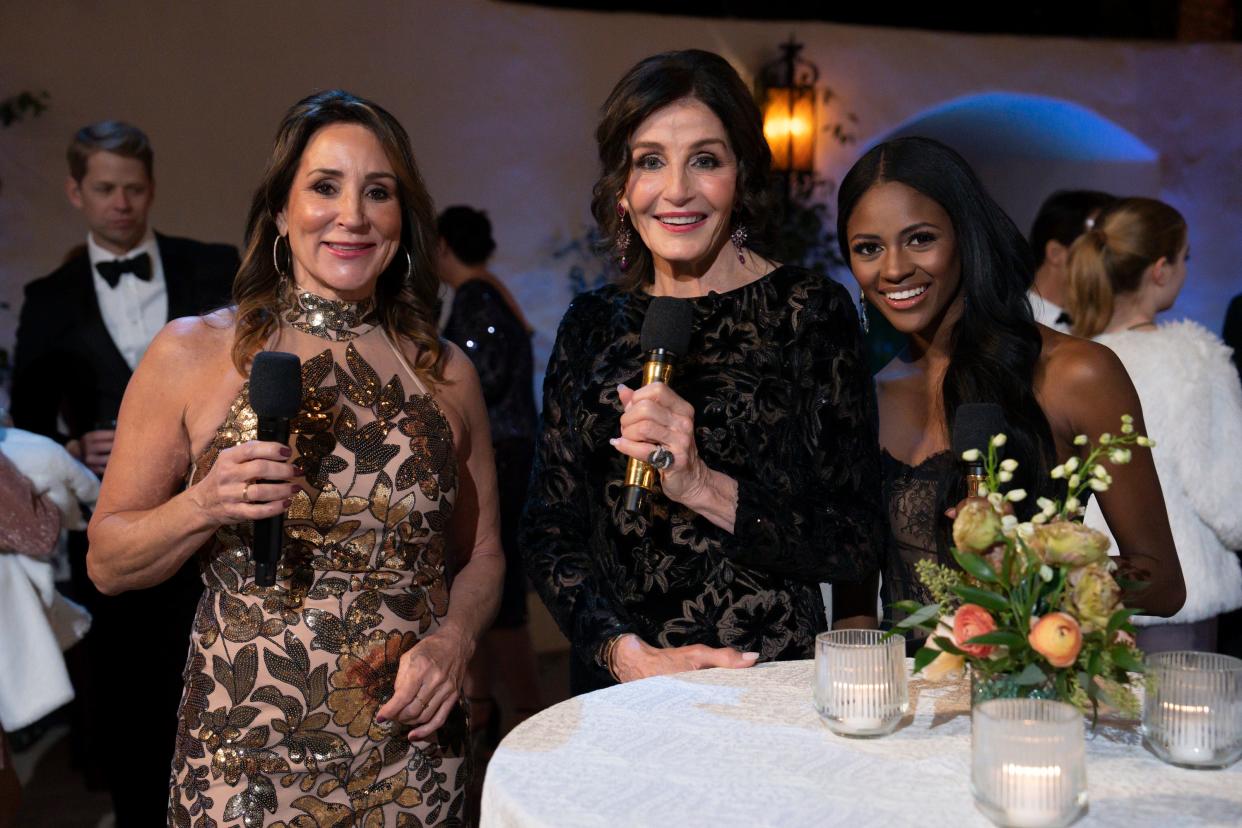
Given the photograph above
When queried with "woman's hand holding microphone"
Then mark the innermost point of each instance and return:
(247, 482)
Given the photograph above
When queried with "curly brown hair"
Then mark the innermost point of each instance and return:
(405, 305)
(656, 82)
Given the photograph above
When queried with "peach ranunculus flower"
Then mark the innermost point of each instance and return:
(969, 621)
(1070, 543)
(1058, 638)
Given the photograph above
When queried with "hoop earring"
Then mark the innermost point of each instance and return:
(738, 237)
(862, 313)
(624, 238)
(276, 257)
(409, 265)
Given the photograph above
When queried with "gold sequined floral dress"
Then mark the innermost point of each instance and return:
(277, 720)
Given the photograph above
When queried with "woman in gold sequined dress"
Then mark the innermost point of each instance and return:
(332, 698)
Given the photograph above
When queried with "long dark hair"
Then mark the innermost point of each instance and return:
(405, 305)
(995, 344)
(654, 83)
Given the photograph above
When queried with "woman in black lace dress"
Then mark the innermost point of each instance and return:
(774, 481)
(487, 324)
(947, 268)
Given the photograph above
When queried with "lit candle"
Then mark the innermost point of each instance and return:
(1188, 729)
(1032, 795)
(859, 705)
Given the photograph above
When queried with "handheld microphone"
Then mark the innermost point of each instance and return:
(665, 337)
(974, 424)
(275, 396)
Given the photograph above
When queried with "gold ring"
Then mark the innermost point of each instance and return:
(246, 493)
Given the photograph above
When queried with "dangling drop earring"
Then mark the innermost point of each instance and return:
(862, 313)
(738, 237)
(624, 237)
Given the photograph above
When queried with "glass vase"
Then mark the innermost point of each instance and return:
(1004, 686)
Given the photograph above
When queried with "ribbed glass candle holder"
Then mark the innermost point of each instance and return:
(1028, 762)
(860, 681)
(1192, 713)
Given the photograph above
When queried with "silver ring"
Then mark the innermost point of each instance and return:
(660, 459)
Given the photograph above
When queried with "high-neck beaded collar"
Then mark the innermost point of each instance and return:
(331, 319)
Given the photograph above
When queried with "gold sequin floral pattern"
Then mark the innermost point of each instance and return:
(330, 318)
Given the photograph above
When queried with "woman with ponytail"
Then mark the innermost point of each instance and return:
(934, 254)
(1127, 269)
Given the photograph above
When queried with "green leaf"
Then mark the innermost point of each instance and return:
(917, 618)
(1117, 619)
(947, 645)
(976, 566)
(1031, 675)
(923, 657)
(982, 597)
(908, 607)
(1003, 638)
(1124, 658)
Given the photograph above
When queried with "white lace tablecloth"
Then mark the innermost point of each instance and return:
(746, 747)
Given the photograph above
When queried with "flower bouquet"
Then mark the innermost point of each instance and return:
(1035, 609)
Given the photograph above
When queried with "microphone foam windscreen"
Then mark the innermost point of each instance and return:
(974, 424)
(276, 385)
(667, 325)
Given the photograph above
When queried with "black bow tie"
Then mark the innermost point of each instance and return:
(1064, 319)
(139, 265)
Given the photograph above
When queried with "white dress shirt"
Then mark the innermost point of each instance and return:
(1046, 313)
(134, 310)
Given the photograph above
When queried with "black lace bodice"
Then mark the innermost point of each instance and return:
(917, 528)
(483, 325)
(784, 404)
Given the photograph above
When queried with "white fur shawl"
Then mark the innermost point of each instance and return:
(1192, 407)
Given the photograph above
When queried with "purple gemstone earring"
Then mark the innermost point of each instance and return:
(738, 237)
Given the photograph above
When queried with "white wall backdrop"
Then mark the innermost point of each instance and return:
(501, 102)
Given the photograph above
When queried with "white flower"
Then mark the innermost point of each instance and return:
(1004, 476)
(1045, 573)
(983, 490)
(1105, 438)
(1144, 441)
(1081, 440)
(1015, 495)
(1074, 481)
(971, 455)
(1071, 464)
(1057, 472)
(1127, 419)
(996, 500)
(1040, 518)
(1046, 506)
(1009, 522)
(1099, 471)
(1072, 505)
(1009, 464)
(1098, 485)
(1126, 428)
(999, 440)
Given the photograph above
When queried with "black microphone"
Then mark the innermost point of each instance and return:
(974, 424)
(275, 396)
(665, 338)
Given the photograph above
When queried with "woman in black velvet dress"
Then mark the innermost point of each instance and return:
(770, 420)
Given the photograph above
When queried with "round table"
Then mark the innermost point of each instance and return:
(746, 747)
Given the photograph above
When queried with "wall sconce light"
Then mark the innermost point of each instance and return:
(786, 93)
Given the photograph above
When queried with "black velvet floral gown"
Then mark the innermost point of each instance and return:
(277, 721)
(784, 404)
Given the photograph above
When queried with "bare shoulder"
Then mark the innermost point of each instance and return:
(460, 390)
(1077, 365)
(190, 340)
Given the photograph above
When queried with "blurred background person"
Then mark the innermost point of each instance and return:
(948, 269)
(42, 489)
(1063, 217)
(1123, 272)
(391, 565)
(82, 331)
(769, 469)
(486, 322)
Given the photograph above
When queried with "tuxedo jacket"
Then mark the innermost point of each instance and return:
(66, 362)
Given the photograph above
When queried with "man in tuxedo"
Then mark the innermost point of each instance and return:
(1064, 216)
(82, 331)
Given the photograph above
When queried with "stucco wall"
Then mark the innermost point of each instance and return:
(501, 102)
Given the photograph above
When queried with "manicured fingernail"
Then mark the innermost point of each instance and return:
(750, 656)
(380, 719)
(612, 441)
(288, 503)
(285, 451)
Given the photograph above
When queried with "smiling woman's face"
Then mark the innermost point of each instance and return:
(343, 216)
(903, 253)
(682, 185)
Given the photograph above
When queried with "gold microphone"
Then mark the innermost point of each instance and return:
(665, 337)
